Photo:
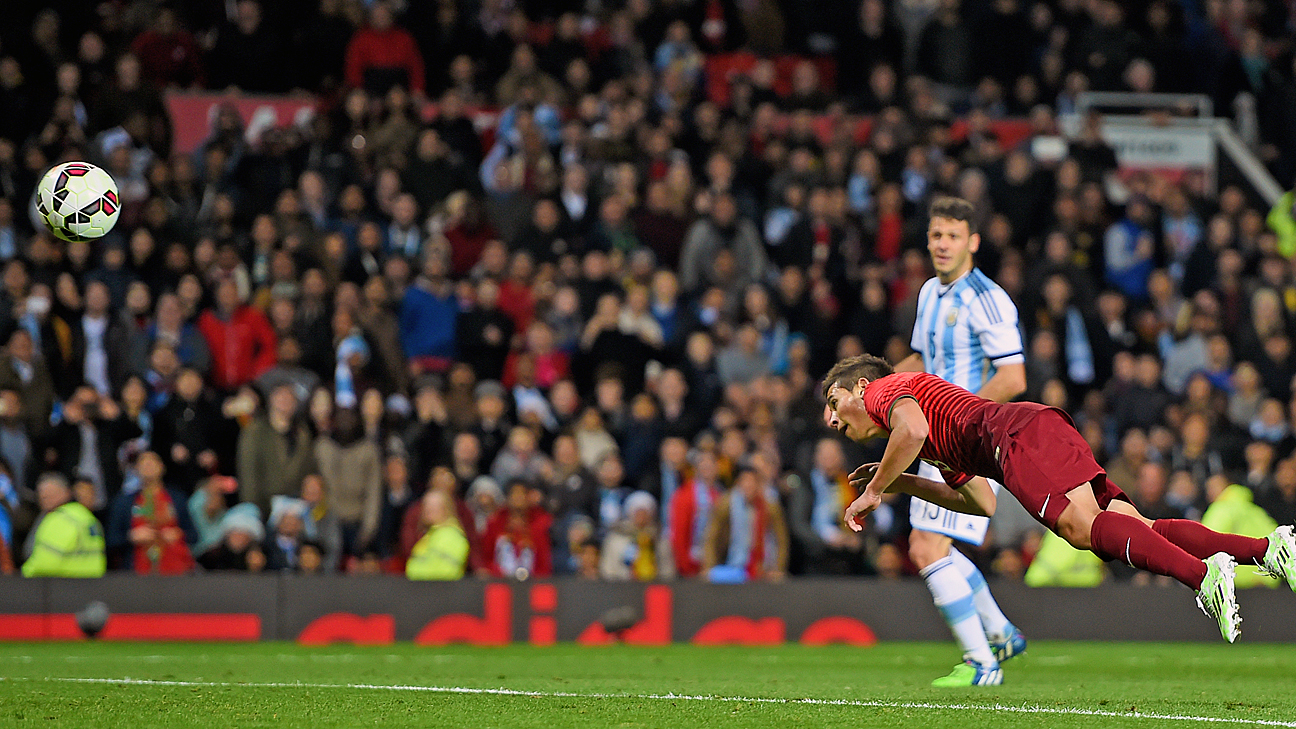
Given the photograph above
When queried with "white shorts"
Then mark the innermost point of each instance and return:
(929, 517)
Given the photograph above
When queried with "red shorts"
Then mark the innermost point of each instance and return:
(1043, 456)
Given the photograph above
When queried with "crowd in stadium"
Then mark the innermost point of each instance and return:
(586, 340)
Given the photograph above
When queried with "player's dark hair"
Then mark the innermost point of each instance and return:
(848, 371)
(953, 208)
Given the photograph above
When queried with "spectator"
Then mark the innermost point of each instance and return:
(690, 514)
(283, 548)
(350, 467)
(85, 444)
(1280, 503)
(722, 250)
(427, 317)
(521, 458)
(168, 54)
(1143, 405)
(517, 537)
(677, 52)
(1260, 458)
(170, 328)
(634, 549)
(1150, 491)
(67, 540)
(660, 225)
(484, 333)
(239, 337)
(573, 491)
(25, 372)
(524, 73)
(817, 507)
(442, 551)
(747, 538)
(16, 454)
(1194, 453)
(247, 54)
(1190, 354)
(743, 360)
(98, 343)
(1128, 248)
(207, 508)
(154, 522)
(320, 521)
(275, 452)
(184, 431)
(436, 170)
(240, 547)
(1134, 448)
(945, 49)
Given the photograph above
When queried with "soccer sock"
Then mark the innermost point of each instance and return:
(953, 596)
(1120, 536)
(1202, 542)
(993, 620)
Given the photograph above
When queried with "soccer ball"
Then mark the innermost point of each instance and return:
(78, 201)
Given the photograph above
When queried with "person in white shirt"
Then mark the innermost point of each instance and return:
(966, 332)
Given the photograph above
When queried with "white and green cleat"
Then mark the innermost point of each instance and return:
(1280, 557)
(971, 673)
(1217, 597)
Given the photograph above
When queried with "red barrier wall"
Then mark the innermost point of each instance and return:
(380, 610)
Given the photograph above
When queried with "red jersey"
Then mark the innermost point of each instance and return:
(1034, 450)
(958, 443)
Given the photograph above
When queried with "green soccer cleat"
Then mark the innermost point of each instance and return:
(1280, 557)
(1217, 598)
(971, 673)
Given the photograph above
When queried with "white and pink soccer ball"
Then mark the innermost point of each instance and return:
(78, 201)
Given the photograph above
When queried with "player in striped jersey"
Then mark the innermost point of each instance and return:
(1040, 457)
(966, 332)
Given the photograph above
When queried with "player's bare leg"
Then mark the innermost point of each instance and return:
(1120, 533)
(953, 596)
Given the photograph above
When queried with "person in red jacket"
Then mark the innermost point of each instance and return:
(240, 338)
(690, 514)
(517, 537)
(168, 54)
(378, 56)
(155, 529)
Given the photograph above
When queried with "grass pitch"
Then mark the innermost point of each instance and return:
(1057, 684)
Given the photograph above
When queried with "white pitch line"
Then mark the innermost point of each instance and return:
(687, 697)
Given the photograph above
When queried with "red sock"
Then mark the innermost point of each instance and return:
(1201, 542)
(1120, 536)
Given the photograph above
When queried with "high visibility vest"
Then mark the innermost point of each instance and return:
(439, 555)
(69, 543)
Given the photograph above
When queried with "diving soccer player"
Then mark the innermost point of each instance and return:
(1039, 457)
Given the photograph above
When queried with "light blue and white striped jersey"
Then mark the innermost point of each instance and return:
(965, 331)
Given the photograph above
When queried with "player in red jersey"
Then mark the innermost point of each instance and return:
(1038, 455)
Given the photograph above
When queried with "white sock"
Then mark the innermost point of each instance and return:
(953, 596)
(993, 620)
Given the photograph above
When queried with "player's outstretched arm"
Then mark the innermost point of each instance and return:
(979, 499)
(908, 433)
(974, 497)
